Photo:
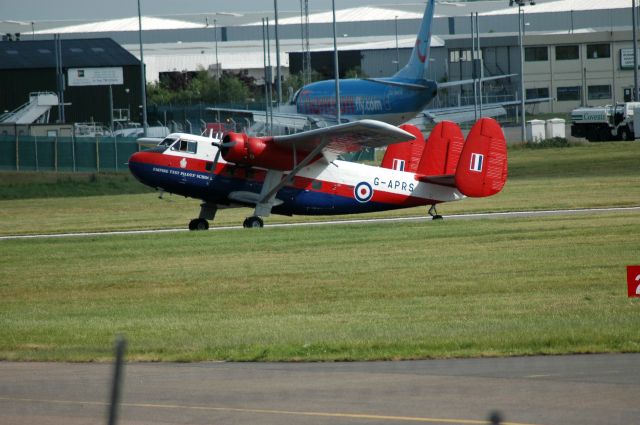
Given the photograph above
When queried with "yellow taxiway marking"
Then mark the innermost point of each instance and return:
(269, 411)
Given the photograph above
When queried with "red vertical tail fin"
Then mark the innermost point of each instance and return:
(482, 168)
(442, 151)
(405, 156)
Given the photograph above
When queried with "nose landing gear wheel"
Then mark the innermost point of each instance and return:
(198, 224)
(253, 222)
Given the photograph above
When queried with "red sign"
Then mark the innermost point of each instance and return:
(633, 281)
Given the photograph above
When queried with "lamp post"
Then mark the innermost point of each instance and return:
(520, 40)
(634, 18)
(143, 78)
(397, 50)
(278, 76)
(335, 62)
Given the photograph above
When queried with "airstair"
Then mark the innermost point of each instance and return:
(36, 110)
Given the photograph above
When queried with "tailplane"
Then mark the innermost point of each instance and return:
(415, 68)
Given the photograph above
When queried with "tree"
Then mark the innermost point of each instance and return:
(200, 86)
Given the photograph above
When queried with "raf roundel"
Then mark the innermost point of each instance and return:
(363, 192)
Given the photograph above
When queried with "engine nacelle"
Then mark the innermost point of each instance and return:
(258, 152)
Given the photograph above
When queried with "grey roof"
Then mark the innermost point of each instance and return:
(77, 53)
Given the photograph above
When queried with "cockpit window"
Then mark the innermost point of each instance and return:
(186, 146)
(167, 142)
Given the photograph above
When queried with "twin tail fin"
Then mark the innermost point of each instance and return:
(477, 167)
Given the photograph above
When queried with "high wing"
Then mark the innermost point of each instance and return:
(330, 142)
(345, 138)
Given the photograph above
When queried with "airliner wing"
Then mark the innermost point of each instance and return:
(467, 113)
(470, 81)
(345, 138)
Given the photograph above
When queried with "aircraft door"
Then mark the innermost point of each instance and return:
(319, 197)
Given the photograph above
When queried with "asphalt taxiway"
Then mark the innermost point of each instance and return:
(473, 216)
(551, 390)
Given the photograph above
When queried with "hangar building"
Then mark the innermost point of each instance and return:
(30, 66)
(576, 51)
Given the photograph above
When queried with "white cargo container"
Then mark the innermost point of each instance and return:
(535, 131)
(555, 128)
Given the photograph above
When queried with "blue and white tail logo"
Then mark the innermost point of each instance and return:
(476, 162)
(415, 68)
(398, 164)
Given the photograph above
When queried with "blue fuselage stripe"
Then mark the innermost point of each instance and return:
(216, 189)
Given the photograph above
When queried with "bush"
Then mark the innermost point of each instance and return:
(556, 142)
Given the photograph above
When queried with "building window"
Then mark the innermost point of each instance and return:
(75, 50)
(565, 53)
(536, 54)
(599, 92)
(569, 93)
(598, 51)
(459, 55)
(537, 93)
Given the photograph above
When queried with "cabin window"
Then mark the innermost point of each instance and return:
(167, 142)
(316, 185)
(186, 146)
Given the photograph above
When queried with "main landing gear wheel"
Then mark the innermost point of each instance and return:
(434, 214)
(253, 222)
(198, 224)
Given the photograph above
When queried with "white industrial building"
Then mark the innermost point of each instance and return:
(576, 51)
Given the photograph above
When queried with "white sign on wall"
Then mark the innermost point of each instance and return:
(626, 58)
(95, 76)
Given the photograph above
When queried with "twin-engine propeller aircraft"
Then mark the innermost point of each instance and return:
(300, 173)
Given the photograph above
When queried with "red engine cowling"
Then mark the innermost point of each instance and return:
(258, 152)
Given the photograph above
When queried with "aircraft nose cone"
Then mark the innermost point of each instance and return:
(135, 163)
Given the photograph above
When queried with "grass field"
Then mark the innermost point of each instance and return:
(348, 292)
(392, 291)
(596, 175)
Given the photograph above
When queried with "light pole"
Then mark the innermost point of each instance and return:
(278, 76)
(521, 42)
(636, 94)
(335, 62)
(143, 78)
(520, 38)
(397, 50)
